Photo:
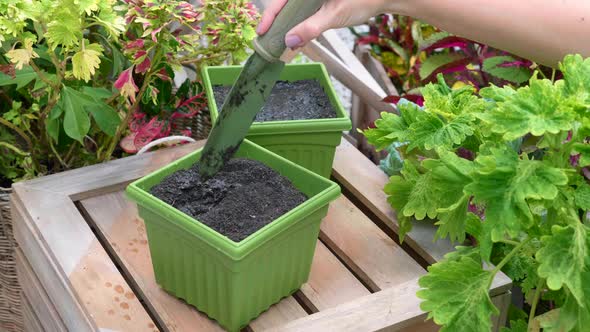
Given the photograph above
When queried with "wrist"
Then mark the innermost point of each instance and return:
(402, 7)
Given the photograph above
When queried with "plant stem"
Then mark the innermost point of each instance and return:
(509, 256)
(535, 301)
(125, 122)
(63, 164)
(42, 76)
(18, 131)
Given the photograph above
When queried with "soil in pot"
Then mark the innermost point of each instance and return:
(298, 100)
(244, 196)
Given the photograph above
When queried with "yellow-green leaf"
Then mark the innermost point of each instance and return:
(86, 61)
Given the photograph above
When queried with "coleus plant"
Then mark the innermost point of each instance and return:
(414, 53)
(164, 39)
(506, 169)
(56, 61)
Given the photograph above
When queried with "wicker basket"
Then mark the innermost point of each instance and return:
(10, 304)
(200, 125)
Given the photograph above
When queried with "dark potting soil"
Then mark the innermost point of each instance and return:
(299, 100)
(244, 196)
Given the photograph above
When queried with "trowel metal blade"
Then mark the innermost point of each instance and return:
(239, 110)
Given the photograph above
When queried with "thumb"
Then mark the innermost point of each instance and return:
(308, 29)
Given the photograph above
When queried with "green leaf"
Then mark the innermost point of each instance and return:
(87, 6)
(504, 183)
(537, 109)
(584, 150)
(452, 221)
(576, 74)
(573, 316)
(436, 62)
(53, 122)
(497, 94)
(517, 75)
(440, 99)
(22, 79)
(76, 120)
(391, 127)
(431, 131)
(86, 61)
(582, 196)
(398, 190)
(564, 258)
(516, 326)
(107, 118)
(248, 32)
(66, 30)
(455, 294)
(441, 187)
(97, 93)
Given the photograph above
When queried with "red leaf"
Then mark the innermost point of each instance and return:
(368, 40)
(447, 42)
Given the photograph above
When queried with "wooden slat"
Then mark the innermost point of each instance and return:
(71, 264)
(370, 253)
(395, 308)
(392, 309)
(279, 314)
(330, 283)
(117, 221)
(108, 177)
(38, 299)
(31, 322)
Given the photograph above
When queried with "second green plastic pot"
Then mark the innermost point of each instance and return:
(233, 282)
(309, 143)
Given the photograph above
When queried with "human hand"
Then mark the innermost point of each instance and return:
(333, 14)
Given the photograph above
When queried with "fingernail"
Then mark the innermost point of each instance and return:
(258, 29)
(293, 41)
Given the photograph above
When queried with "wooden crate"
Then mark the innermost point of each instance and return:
(85, 265)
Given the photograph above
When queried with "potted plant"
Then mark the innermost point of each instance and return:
(232, 277)
(303, 119)
(507, 170)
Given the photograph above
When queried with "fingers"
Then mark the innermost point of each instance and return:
(269, 15)
(309, 29)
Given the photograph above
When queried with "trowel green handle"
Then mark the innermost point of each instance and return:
(272, 44)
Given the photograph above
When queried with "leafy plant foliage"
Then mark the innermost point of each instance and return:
(77, 75)
(507, 169)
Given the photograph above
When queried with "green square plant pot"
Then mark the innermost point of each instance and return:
(309, 143)
(233, 282)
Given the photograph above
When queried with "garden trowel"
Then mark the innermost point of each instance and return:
(255, 83)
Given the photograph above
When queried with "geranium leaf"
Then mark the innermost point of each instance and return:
(503, 183)
(455, 294)
(440, 187)
(537, 109)
(576, 73)
(431, 131)
(573, 317)
(582, 196)
(391, 127)
(564, 258)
